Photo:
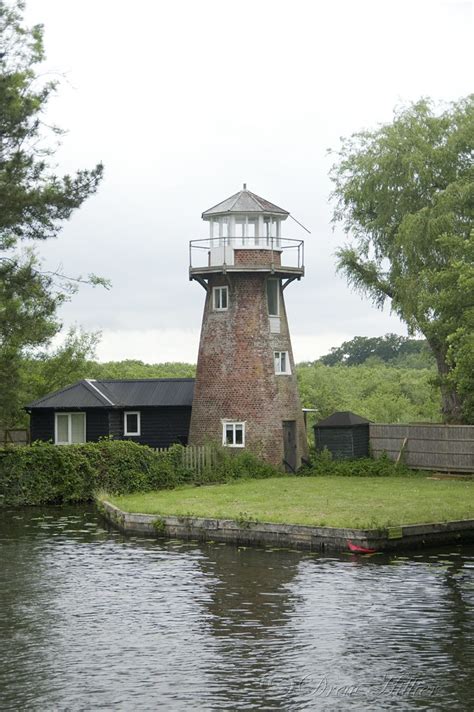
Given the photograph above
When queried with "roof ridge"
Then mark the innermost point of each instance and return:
(259, 199)
(91, 382)
(255, 197)
(236, 196)
(87, 382)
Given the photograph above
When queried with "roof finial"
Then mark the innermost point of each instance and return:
(245, 186)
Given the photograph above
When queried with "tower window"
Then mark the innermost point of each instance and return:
(273, 297)
(131, 423)
(282, 362)
(233, 434)
(220, 298)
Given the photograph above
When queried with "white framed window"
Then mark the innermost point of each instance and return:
(69, 428)
(220, 298)
(251, 227)
(273, 297)
(233, 433)
(218, 229)
(131, 422)
(282, 363)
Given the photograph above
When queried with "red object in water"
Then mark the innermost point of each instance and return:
(359, 549)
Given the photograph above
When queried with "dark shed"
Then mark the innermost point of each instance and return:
(344, 434)
(152, 411)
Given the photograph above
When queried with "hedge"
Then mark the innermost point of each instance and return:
(47, 474)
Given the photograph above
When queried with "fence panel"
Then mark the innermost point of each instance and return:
(12, 437)
(432, 447)
(196, 457)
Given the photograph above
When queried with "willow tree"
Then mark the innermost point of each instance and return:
(404, 194)
(34, 202)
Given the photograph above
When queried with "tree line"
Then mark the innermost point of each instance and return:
(400, 389)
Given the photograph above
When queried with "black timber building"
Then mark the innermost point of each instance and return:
(344, 434)
(154, 412)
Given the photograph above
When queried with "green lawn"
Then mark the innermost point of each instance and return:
(359, 502)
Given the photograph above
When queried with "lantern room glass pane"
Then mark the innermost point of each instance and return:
(78, 428)
(239, 228)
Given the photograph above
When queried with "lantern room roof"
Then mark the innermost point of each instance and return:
(244, 202)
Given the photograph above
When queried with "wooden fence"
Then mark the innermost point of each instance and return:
(447, 448)
(13, 437)
(197, 457)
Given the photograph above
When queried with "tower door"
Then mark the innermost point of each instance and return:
(289, 445)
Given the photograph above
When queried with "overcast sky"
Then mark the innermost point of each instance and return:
(185, 100)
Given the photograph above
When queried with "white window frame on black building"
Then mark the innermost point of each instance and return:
(220, 298)
(233, 433)
(282, 363)
(126, 430)
(72, 439)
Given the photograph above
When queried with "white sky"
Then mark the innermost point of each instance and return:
(185, 100)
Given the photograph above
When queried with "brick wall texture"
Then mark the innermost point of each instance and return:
(257, 258)
(236, 377)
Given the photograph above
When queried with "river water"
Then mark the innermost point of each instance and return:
(91, 620)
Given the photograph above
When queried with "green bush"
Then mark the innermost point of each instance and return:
(322, 463)
(44, 473)
(230, 465)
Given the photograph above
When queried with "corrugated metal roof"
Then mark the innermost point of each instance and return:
(130, 393)
(159, 391)
(244, 202)
(342, 419)
(78, 395)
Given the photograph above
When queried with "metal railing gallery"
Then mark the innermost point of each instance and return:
(291, 251)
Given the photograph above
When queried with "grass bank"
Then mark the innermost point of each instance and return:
(362, 502)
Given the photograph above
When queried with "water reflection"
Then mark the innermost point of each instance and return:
(91, 619)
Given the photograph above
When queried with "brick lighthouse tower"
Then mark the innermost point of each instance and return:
(246, 393)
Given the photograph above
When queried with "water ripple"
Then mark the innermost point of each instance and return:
(92, 620)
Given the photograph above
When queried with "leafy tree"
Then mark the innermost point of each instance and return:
(453, 290)
(49, 371)
(27, 319)
(390, 348)
(34, 202)
(137, 369)
(404, 193)
(378, 392)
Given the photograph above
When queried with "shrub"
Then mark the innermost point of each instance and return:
(44, 473)
(322, 463)
(230, 465)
